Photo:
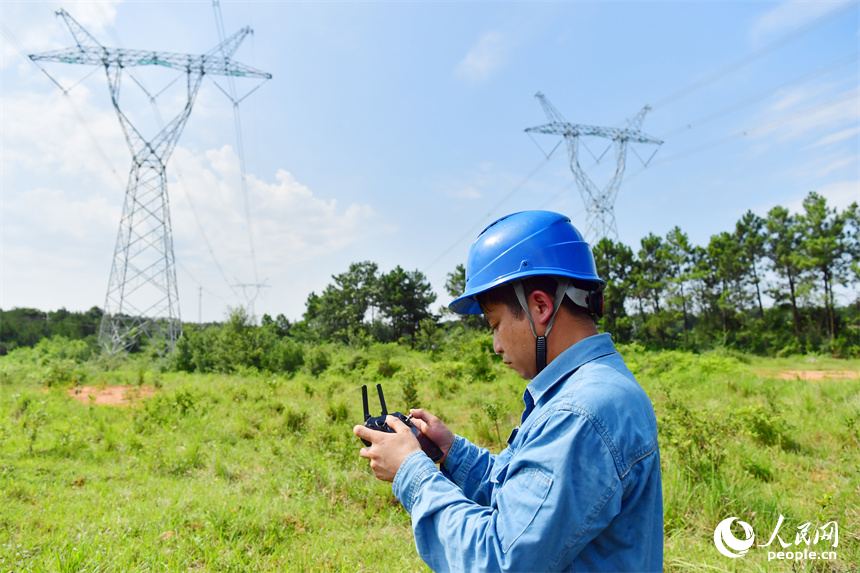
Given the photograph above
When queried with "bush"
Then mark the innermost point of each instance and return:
(767, 428)
(317, 360)
(286, 356)
(409, 389)
(698, 437)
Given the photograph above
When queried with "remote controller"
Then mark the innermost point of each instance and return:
(378, 423)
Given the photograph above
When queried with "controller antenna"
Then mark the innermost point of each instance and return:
(382, 400)
(364, 400)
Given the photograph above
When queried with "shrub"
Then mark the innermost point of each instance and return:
(697, 436)
(409, 389)
(337, 411)
(767, 427)
(317, 360)
(386, 368)
(286, 356)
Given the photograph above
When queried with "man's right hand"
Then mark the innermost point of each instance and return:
(435, 429)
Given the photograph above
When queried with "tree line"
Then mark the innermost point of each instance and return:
(25, 327)
(769, 287)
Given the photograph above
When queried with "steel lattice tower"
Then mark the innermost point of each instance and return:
(599, 203)
(142, 296)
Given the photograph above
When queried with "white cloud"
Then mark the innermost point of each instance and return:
(33, 27)
(841, 193)
(483, 59)
(465, 192)
(484, 179)
(839, 196)
(803, 114)
(786, 17)
(291, 225)
(69, 136)
(837, 137)
(63, 215)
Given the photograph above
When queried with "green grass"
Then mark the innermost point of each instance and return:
(259, 472)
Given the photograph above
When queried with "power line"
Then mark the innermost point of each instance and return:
(787, 118)
(240, 148)
(761, 52)
(180, 177)
(83, 122)
(199, 285)
(471, 230)
(758, 97)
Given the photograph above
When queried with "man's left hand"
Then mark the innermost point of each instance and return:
(387, 451)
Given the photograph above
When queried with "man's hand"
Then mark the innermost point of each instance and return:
(387, 451)
(433, 428)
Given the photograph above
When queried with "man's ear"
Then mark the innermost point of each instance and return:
(541, 307)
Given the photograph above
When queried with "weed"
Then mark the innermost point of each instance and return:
(184, 402)
(698, 436)
(386, 368)
(493, 413)
(758, 469)
(317, 360)
(32, 421)
(853, 429)
(295, 419)
(337, 412)
(409, 390)
(768, 428)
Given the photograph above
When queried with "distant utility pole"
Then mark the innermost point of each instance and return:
(142, 297)
(599, 204)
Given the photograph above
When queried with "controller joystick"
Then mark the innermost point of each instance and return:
(378, 424)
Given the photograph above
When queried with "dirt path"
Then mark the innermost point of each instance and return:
(111, 395)
(818, 374)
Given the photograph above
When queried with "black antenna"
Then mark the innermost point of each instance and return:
(382, 400)
(364, 400)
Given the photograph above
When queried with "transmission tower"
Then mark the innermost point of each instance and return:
(142, 296)
(599, 203)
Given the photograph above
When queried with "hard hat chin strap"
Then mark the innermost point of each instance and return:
(540, 341)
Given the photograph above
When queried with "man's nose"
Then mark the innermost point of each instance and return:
(497, 346)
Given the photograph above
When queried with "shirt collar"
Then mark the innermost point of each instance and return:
(584, 351)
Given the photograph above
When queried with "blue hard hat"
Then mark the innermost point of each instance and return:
(525, 244)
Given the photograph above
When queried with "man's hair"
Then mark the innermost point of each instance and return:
(504, 294)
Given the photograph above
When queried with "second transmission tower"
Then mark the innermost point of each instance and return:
(599, 203)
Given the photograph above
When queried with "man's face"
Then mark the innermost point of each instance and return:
(513, 339)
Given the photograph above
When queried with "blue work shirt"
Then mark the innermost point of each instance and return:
(577, 489)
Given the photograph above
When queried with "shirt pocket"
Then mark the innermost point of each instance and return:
(518, 503)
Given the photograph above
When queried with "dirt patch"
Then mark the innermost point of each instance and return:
(817, 374)
(111, 395)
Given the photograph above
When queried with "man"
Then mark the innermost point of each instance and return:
(578, 488)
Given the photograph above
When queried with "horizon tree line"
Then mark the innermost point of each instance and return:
(769, 286)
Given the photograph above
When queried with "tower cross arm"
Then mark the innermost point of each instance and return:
(203, 64)
(575, 130)
(89, 51)
(88, 56)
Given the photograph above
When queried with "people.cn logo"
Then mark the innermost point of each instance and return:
(725, 540)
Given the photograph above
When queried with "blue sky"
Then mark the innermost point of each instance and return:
(393, 132)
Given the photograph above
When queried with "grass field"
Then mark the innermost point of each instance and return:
(260, 472)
